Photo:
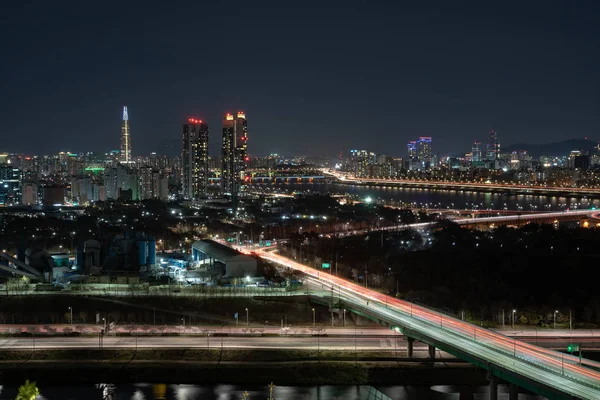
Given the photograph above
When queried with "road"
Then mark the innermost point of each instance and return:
(548, 368)
(558, 335)
(357, 343)
(350, 339)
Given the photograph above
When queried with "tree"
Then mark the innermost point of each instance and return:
(28, 391)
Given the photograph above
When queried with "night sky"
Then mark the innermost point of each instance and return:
(313, 78)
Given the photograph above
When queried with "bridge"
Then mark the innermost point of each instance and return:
(276, 179)
(487, 222)
(474, 186)
(545, 372)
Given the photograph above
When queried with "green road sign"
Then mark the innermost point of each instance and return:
(571, 347)
(325, 265)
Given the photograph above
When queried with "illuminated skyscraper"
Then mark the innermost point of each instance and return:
(476, 151)
(493, 146)
(424, 152)
(234, 154)
(125, 153)
(194, 158)
(412, 150)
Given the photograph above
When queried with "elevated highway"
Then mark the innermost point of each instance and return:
(19, 267)
(545, 372)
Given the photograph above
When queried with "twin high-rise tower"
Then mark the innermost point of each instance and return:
(234, 156)
(234, 152)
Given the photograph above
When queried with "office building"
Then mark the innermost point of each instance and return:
(29, 195)
(234, 154)
(493, 147)
(424, 151)
(476, 151)
(412, 150)
(10, 184)
(194, 159)
(125, 153)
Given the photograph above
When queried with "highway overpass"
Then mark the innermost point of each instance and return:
(542, 371)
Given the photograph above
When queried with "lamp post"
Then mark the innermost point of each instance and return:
(71, 310)
(247, 318)
(555, 312)
(314, 320)
(513, 318)
(344, 317)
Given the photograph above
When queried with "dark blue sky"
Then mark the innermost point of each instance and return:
(312, 77)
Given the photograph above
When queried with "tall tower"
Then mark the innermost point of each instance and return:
(424, 151)
(194, 157)
(125, 153)
(493, 147)
(241, 134)
(227, 154)
(476, 151)
(234, 152)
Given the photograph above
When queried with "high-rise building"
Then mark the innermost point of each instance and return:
(424, 152)
(476, 151)
(412, 150)
(234, 154)
(361, 161)
(10, 184)
(125, 153)
(493, 146)
(29, 194)
(194, 157)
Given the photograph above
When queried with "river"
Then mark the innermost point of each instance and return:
(442, 198)
(231, 392)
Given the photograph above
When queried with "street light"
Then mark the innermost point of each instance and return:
(555, 312)
(71, 310)
(313, 310)
(247, 319)
(513, 318)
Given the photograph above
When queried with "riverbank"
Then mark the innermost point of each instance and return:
(230, 366)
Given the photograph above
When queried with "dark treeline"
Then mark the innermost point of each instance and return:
(535, 269)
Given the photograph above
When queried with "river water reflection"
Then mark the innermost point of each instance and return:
(234, 392)
(442, 198)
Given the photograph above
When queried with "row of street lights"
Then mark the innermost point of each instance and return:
(554, 314)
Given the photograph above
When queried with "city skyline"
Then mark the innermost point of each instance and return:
(406, 72)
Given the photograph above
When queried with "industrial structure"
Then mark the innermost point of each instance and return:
(222, 261)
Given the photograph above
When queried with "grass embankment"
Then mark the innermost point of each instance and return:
(159, 310)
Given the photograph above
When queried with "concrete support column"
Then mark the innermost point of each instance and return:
(409, 346)
(431, 351)
(513, 393)
(493, 388)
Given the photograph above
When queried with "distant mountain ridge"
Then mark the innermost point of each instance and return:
(552, 149)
